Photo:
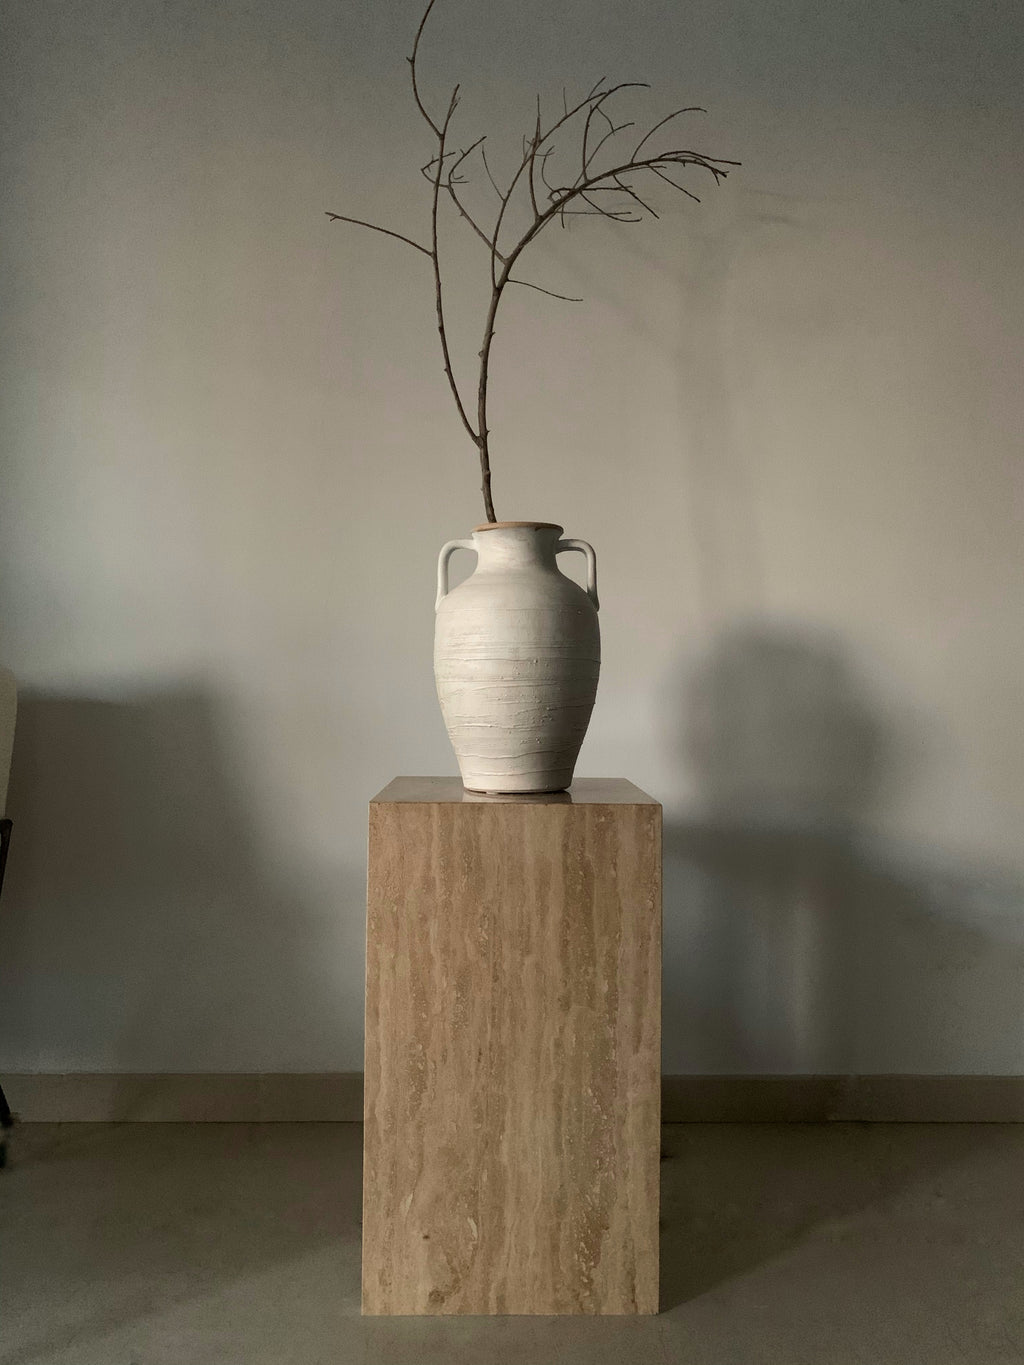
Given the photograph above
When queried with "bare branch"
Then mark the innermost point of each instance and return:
(595, 92)
(669, 181)
(613, 215)
(596, 107)
(613, 128)
(412, 68)
(467, 216)
(692, 109)
(490, 177)
(558, 207)
(466, 153)
(687, 158)
(586, 137)
(633, 195)
(616, 215)
(569, 298)
(531, 177)
(585, 196)
(428, 169)
(543, 173)
(343, 218)
(438, 297)
(450, 183)
(552, 191)
(600, 182)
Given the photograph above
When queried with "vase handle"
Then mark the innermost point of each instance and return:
(587, 550)
(442, 566)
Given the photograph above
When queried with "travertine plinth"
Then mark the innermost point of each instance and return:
(513, 1008)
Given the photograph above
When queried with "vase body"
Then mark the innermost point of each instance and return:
(517, 651)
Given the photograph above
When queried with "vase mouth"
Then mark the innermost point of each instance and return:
(509, 525)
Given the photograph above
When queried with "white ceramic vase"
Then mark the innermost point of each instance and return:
(517, 651)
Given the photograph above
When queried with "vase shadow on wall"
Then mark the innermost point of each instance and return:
(151, 900)
(799, 939)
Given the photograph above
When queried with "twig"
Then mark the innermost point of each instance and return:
(594, 92)
(669, 181)
(597, 107)
(531, 178)
(412, 64)
(613, 128)
(451, 182)
(633, 195)
(438, 291)
(374, 227)
(692, 109)
(568, 298)
(490, 177)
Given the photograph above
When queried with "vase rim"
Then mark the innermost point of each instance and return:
(508, 525)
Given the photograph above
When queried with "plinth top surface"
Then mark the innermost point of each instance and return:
(585, 791)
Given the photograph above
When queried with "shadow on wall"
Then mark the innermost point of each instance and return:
(797, 939)
(149, 923)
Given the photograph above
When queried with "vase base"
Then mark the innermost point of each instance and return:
(532, 791)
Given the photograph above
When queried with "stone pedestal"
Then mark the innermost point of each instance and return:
(513, 1028)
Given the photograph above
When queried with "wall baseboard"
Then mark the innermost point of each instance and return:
(178, 1097)
(337, 1097)
(850, 1099)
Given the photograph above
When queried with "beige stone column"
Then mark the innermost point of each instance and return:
(513, 1029)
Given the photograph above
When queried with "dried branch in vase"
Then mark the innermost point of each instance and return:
(603, 184)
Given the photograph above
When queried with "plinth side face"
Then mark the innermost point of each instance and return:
(512, 1140)
(517, 653)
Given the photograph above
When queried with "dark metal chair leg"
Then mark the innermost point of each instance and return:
(6, 1122)
(5, 842)
(6, 1118)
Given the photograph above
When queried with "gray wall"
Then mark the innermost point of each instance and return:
(788, 418)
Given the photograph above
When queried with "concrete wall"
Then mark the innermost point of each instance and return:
(788, 418)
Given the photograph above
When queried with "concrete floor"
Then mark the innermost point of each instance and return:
(172, 1244)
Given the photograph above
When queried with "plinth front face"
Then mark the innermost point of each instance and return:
(513, 1005)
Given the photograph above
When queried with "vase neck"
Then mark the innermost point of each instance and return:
(516, 547)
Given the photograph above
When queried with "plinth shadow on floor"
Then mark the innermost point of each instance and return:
(734, 1195)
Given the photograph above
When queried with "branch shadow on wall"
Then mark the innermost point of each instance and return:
(149, 909)
(799, 938)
